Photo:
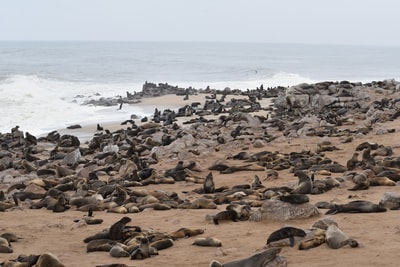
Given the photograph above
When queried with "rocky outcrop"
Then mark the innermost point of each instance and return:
(277, 210)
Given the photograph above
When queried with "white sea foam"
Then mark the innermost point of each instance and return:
(41, 105)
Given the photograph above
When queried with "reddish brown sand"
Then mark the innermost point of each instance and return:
(377, 233)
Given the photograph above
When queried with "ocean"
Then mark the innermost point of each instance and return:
(43, 84)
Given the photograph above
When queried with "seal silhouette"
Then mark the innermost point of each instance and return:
(209, 185)
(117, 228)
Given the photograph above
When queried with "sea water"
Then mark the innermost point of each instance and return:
(43, 84)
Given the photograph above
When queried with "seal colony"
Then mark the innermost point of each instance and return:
(231, 160)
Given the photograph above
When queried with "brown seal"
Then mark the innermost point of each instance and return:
(209, 185)
(118, 251)
(256, 183)
(207, 242)
(294, 198)
(117, 228)
(357, 206)
(48, 259)
(100, 245)
(286, 232)
(335, 238)
(202, 203)
(162, 244)
(185, 232)
(380, 181)
(305, 184)
(231, 215)
(142, 251)
(5, 246)
(312, 243)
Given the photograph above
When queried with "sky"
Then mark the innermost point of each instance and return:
(354, 22)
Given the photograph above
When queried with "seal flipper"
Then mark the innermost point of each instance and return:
(291, 239)
(333, 210)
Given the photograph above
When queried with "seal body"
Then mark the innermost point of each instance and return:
(305, 184)
(257, 260)
(286, 232)
(116, 228)
(185, 232)
(209, 185)
(142, 251)
(294, 198)
(226, 215)
(357, 206)
(48, 260)
(207, 242)
(335, 238)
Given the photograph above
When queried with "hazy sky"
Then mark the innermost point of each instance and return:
(370, 22)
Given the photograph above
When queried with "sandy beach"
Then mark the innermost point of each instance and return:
(378, 234)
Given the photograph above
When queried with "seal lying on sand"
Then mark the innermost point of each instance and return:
(286, 232)
(207, 242)
(357, 206)
(256, 260)
(335, 238)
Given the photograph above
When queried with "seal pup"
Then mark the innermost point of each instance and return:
(226, 215)
(142, 251)
(357, 206)
(305, 184)
(313, 242)
(185, 232)
(256, 183)
(118, 251)
(209, 185)
(335, 238)
(285, 232)
(207, 242)
(202, 203)
(257, 260)
(117, 228)
(367, 160)
(89, 218)
(353, 162)
(61, 205)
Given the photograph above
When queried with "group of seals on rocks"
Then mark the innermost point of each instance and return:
(105, 173)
